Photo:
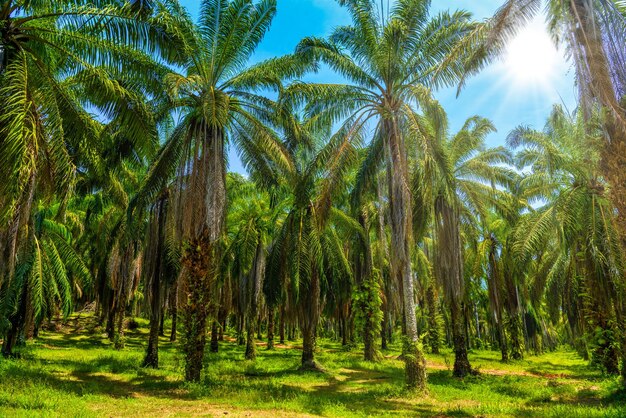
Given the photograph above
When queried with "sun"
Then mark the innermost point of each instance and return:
(531, 57)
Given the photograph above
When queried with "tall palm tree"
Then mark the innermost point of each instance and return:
(252, 224)
(214, 96)
(57, 60)
(457, 178)
(578, 213)
(594, 34)
(307, 252)
(388, 61)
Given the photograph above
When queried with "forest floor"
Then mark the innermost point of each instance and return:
(76, 372)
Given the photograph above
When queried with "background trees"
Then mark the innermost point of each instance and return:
(362, 213)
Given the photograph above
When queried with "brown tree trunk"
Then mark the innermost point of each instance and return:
(240, 330)
(156, 285)
(215, 345)
(162, 323)
(173, 302)
(449, 268)
(205, 207)
(383, 328)
(250, 344)
(196, 309)
(309, 320)
(271, 313)
(462, 365)
(258, 273)
(434, 328)
(282, 324)
(495, 289)
(16, 325)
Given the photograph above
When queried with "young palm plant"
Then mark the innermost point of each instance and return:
(49, 274)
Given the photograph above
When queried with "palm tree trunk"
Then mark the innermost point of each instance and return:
(215, 345)
(449, 264)
(16, 325)
(309, 320)
(250, 344)
(401, 244)
(434, 328)
(173, 302)
(258, 273)
(514, 321)
(462, 366)
(494, 287)
(282, 324)
(162, 323)
(156, 287)
(383, 328)
(152, 352)
(205, 227)
(271, 314)
(240, 330)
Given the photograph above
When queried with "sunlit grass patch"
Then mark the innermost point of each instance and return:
(66, 374)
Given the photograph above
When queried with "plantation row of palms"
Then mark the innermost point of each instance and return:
(363, 216)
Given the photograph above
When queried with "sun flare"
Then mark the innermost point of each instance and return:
(532, 57)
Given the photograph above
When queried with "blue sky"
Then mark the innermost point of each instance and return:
(495, 93)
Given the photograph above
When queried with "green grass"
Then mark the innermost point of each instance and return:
(78, 373)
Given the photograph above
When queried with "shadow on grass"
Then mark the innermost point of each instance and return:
(274, 379)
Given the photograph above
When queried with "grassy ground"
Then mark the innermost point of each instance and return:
(77, 373)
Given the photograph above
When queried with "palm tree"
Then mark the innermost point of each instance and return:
(58, 59)
(215, 99)
(252, 222)
(307, 252)
(388, 61)
(593, 32)
(578, 213)
(47, 277)
(50, 52)
(456, 177)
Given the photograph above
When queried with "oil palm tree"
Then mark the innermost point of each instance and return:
(47, 278)
(252, 221)
(307, 253)
(216, 100)
(388, 61)
(577, 212)
(456, 178)
(58, 59)
(593, 32)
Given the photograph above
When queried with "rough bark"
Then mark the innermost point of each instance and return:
(401, 243)
(309, 319)
(156, 283)
(282, 324)
(258, 273)
(173, 303)
(196, 309)
(215, 345)
(449, 269)
(204, 214)
(434, 328)
(383, 328)
(462, 366)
